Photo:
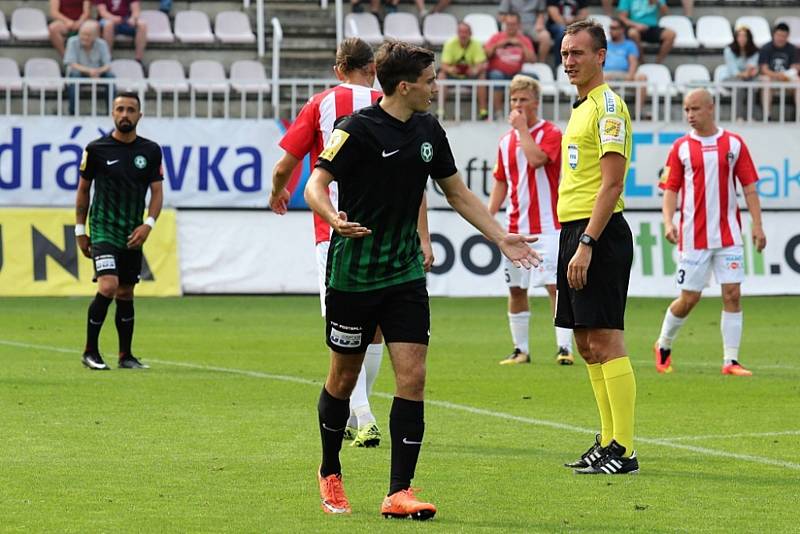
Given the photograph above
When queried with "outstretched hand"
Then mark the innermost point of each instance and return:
(345, 228)
(515, 247)
(279, 201)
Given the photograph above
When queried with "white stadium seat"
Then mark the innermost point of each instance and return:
(403, 27)
(158, 28)
(544, 73)
(759, 27)
(193, 27)
(658, 78)
(483, 26)
(691, 75)
(720, 73)
(437, 28)
(43, 74)
(128, 75)
(208, 76)
(248, 76)
(4, 34)
(166, 75)
(714, 31)
(794, 28)
(233, 27)
(682, 26)
(9, 74)
(363, 25)
(29, 24)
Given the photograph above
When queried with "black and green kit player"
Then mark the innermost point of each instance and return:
(123, 167)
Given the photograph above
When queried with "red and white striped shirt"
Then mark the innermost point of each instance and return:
(532, 192)
(703, 170)
(314, 124)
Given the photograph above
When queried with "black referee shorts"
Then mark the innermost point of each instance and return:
(601, 303)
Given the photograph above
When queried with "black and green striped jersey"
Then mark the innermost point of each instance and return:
(381, 166)
(122, 174)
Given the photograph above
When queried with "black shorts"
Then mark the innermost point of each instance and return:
(401, 311)
(124, 263)
(652, 34)
(601, 303)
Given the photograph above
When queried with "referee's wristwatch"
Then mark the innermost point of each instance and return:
(587, 240)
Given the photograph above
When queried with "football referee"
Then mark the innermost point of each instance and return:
(123, 167)
(596, 247)
(381, 158)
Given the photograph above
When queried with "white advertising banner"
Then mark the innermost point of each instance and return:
(206, 163)
(260, 252)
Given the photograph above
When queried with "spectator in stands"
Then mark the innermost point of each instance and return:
(67, 15)
(122, 17)
(463, 58)
(562, 13)
(507, 50)
(165, 6)
(622, 60)
(779, 63)
(391, 6)
(86, 56)
(532, 17)
(641, 18)
(688, 7)
(741, 60)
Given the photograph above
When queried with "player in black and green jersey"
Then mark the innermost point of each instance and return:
(381, 158)
(123, 167)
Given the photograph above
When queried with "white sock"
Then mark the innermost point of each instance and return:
(564, 338)
(372, 363)
(731, 326)
(352, 422)
(518, 322)
(358, 398)
(669, 329)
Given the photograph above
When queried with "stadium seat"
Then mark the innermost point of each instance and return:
(158, 28)
(166, 75)
(29, 24)
(544, 73)
(759, 27)
(563, 84)
(208, 76)
(691, 75)
(714, 31)
(437, 28)
(43, 74)
(233, 27)
(129, 75)
(9, 75)
(720, 73)
(682, 26)
(483, 25)
(604, 21)
(364, 26)
(794, 28)
(658, 78)
(403, 27)
(4, 34)
(193, 27)
(248, 76)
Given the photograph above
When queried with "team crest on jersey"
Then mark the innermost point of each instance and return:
(572, 156)
(335, 142)
(730, 157)
(426, 151)
(140, 162)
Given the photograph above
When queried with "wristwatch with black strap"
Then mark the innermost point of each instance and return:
(587, 240)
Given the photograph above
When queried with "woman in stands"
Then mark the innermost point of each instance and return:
(741, 60)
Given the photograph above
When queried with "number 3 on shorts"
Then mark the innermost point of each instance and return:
(681, 276)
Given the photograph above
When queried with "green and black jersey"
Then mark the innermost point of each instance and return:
(381, 166)
(122, 174)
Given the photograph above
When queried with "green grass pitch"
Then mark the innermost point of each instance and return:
(220, 435)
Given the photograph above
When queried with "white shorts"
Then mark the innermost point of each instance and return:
(322, 266)
(544, 274)
(695, 266)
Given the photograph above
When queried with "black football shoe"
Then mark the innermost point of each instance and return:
(129, 361)
(93, 361)
(594, 453)
(612, 462)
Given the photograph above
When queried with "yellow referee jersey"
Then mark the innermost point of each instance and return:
(599, 124)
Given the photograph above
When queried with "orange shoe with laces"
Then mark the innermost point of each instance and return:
(736, 369)
(404, 503)
(663, 359)
(331, 492)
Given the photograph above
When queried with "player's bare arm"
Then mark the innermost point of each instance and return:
(81, 212)
(668, 208)
(497, 196)
(316, 195)
(425, 235)
(754, 207)
(141, 232)
(281, 174)
(612, 169)
(464, 201)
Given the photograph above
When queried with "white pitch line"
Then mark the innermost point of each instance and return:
(733, 436)
(664, 442)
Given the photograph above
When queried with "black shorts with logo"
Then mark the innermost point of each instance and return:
(124, 263)
(601, 303)
(401, 311)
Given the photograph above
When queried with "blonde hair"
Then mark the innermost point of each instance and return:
(520, 82)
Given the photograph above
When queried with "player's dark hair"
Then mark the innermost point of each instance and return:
(781, 27)
(352, 54)
(594, 29)
(400, 62)
(130, 94)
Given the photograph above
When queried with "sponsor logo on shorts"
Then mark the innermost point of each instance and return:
(106, 262)
(347, 340)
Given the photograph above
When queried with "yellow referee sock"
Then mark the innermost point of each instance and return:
(601, 396)
(621, 387)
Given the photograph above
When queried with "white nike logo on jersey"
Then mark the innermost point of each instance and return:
(387, 154)
(111, 162)
(405, 441)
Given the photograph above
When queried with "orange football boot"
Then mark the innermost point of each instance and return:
(663, 364)
(331, 492)
(404, 503)
(735, 369)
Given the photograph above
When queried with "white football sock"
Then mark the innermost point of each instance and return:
(358, 398)
(564, 338)
(731, 326)
(518, 322)
(372, 363)
(669, 329)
